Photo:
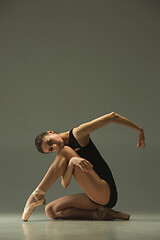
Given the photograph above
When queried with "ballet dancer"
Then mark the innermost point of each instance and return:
(78, 156)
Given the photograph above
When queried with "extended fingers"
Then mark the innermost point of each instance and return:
(141, 143)
(141, 140)
(89, 164)
(85, 165)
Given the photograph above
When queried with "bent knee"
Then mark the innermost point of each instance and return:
(50, 212)
(68, 152)
(65, 150)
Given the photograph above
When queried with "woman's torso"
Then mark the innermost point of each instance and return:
(91, 153)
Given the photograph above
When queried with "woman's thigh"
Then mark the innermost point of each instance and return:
(96, 188)
(78, 201)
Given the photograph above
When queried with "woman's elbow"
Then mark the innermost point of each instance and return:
(114, 115)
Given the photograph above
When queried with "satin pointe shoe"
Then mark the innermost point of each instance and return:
(103, 213)
(29, 207)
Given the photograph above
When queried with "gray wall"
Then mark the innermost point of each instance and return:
(67, 62)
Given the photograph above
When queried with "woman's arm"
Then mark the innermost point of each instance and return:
(124, 121)
(86, 128)
(66, 178)
(82, 163)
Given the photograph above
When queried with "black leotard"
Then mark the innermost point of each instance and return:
(91, 153)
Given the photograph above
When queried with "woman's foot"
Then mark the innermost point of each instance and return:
(36, 199)
(103, 213)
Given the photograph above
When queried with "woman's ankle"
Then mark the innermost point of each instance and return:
(38, 194)
(38, 191)
(97, 215)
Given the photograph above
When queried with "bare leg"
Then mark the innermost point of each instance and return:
(101, 213)
(37, 197)
(56, 170)
(79, 206)
(94, 187)
(74, 213)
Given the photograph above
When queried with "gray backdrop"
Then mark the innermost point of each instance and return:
(67, 62)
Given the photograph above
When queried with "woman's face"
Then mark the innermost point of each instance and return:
(52, 142)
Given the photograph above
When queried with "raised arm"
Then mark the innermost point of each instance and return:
(87, 128)
(124, 121)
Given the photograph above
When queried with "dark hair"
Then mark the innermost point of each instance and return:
(39, 141)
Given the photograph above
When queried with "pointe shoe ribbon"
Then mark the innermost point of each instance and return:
(30, 207)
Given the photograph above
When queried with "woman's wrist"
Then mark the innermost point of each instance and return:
(140, 129)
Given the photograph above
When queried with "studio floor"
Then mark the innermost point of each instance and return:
(39, 227)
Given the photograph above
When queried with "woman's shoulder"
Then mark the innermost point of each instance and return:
(82, 139)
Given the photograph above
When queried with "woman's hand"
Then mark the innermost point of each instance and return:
(82, 163)
(141, 139)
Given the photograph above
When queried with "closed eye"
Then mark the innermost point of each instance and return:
(49, 142)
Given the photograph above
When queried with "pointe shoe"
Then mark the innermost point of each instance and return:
(30, 207)
(110, 214)
(117, 215)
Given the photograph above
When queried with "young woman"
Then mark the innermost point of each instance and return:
(78, 155)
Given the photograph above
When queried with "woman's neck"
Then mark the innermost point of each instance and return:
(65, 137)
